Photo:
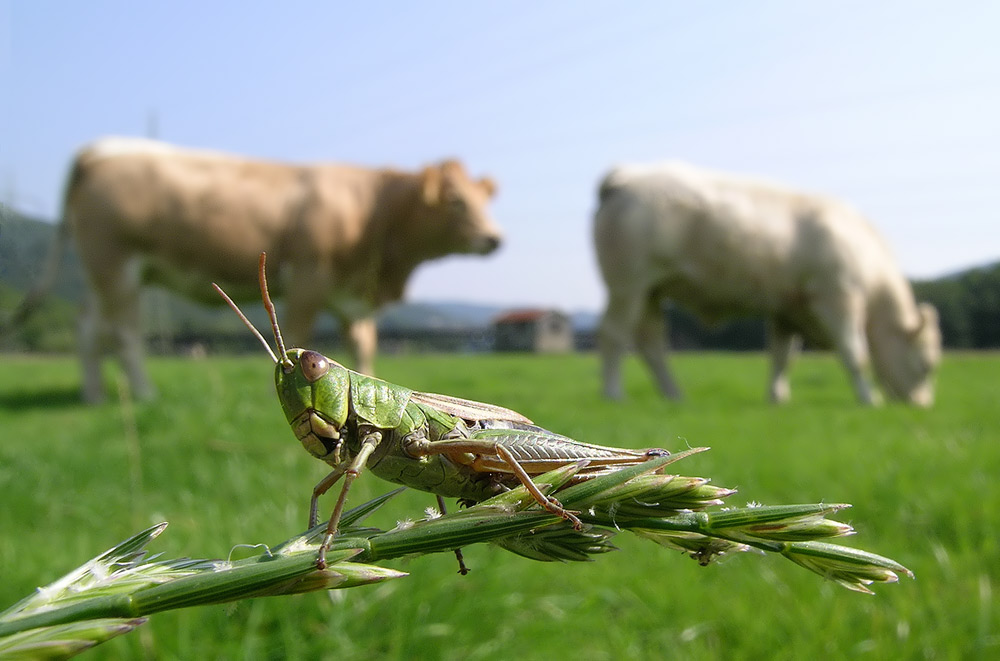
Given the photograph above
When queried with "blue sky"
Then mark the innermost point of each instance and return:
(894, 106)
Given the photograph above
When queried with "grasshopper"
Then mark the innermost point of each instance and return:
(448, 446)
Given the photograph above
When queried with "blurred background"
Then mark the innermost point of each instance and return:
(890, 106)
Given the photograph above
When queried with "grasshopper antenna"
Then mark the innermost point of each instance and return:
(269, 306)
(246, 321)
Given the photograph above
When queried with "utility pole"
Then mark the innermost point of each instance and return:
(157, 298)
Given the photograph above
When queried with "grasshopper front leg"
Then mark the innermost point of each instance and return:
(368, 445)
(320, 489)
(478, 448)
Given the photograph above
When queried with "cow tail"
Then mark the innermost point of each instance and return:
(57, 248)
(609, 186)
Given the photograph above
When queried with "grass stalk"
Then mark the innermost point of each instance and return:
(117, 590)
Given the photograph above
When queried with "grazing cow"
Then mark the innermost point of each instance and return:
(725, 246)
(337, 236)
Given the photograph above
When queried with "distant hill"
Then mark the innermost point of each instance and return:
(24, 246)
(444, 315)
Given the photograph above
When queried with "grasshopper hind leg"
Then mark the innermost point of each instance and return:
(548, 502)
(481, 448)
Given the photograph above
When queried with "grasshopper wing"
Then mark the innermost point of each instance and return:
(468, 409)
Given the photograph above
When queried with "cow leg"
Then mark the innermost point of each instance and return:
(846, 327)
(362, 336)
(626, 319)
(89, 347)
(121, 309)
(854, 354)
(783, 344)
(300, 313)
(651, 343)
(613, 334)
(127, 330)
(113, 305)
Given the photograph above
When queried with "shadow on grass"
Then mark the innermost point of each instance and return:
(48, 398)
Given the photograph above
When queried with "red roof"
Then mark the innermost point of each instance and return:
(516, 316)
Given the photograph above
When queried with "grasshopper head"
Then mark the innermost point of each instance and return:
(309, 380)
(314, 392)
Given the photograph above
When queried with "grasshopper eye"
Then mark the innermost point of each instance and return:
(314, 365)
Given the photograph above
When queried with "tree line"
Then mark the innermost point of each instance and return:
(968, 304)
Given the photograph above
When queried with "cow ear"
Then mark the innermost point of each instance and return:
(489, 186)
(432, 185)
(928, 319)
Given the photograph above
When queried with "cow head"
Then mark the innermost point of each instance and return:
(905, 360)
(454, 214)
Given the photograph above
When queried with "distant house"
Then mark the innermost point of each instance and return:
(543, 331)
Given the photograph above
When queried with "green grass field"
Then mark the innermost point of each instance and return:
(214, 457)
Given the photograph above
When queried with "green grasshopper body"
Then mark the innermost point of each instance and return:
(444, 445)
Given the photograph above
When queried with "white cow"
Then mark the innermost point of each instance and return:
(725, 246)
(339, 237)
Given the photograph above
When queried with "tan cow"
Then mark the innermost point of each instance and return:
(724, 246)
(338, 237)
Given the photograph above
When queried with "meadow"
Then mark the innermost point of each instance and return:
(214, 457)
